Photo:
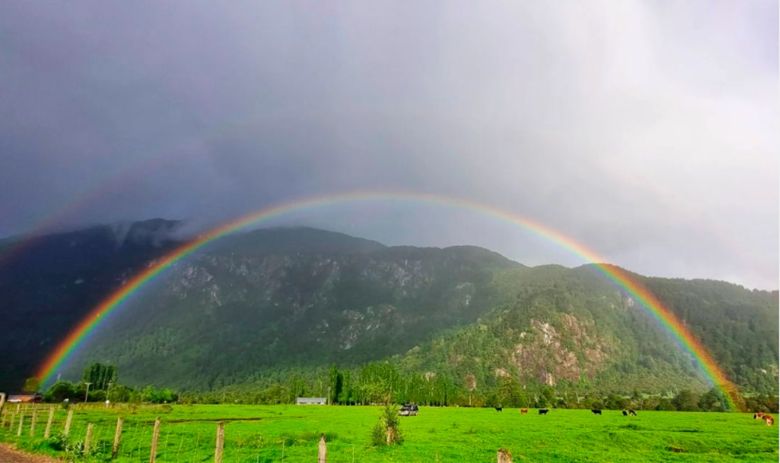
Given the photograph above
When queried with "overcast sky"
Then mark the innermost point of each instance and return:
(647, 131)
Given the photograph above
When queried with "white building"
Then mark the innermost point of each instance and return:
(311, 401)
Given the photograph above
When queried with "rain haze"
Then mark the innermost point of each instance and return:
(647, 131)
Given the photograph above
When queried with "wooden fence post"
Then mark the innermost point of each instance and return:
(218, 449)
(33, 419)
(88, 438)
(21, 423)
(322, 451)
(13, 420)
(68, 422)
(117, 438)
(155, 438)
(504, 456)
(47, 431)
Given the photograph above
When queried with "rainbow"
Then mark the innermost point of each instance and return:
(618, 276)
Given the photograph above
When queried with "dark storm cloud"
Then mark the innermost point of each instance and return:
(644, 130)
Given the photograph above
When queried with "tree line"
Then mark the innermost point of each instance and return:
(383, 383)
(100, 382)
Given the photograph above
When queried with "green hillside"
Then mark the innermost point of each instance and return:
(300, 300)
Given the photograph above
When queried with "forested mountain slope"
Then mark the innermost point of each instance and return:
(269, 301)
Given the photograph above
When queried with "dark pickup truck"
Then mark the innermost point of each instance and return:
(409, 410)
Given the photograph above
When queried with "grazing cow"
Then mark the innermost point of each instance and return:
(595, 411)
(769, 420)
(523, 411)
(631, 412)
(758, 415)
(625, 413)
(543, 411)
(499, 408)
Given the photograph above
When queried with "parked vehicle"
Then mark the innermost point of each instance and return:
(409, 409)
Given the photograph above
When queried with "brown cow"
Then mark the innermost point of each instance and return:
(769, 420)
(523, 411)
(758, 415)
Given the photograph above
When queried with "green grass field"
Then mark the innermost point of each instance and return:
(290, 433)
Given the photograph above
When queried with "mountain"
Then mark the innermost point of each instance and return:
(295, 297)
(571, 327)
(48, 283)
(274, 300)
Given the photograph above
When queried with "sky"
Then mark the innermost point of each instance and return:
(646, 131)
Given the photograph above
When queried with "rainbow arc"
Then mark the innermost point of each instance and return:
(631, 285)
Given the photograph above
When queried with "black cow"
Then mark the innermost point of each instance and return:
(543, 411)
(595, 411)
(625, 413)
(499, 408)
(631, 412)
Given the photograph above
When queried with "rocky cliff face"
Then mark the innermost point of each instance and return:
(575, 350)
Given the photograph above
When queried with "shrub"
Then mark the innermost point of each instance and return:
(58, 442)
(386, 431)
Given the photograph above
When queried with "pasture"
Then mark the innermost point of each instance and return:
(290, 433)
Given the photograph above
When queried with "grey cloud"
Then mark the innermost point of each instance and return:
(643, 130)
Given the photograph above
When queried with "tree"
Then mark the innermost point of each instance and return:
(31, 385)
(686, 401)
(509, 393)
(158, 396)
(665, 404)
(615, 402)
(471, 385)
(712, 400)
(60, 391)
(336, 385)
(99, 376)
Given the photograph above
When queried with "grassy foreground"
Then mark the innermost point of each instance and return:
(290, 433)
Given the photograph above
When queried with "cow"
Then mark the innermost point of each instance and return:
(543, 411)
(758, 415)
(595, 411)
(499, 408)
(769, 420)
(523, 411)
(631, 412)
(625, 413)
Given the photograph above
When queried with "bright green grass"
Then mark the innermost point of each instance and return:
(291, 433)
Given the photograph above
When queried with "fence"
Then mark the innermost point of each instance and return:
(84, 433)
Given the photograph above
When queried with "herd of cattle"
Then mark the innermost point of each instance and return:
(544, 411)
(630, 412)
(410, 409)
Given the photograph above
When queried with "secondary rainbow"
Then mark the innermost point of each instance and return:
(621, 278)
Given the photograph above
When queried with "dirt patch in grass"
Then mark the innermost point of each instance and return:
(9, 454)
